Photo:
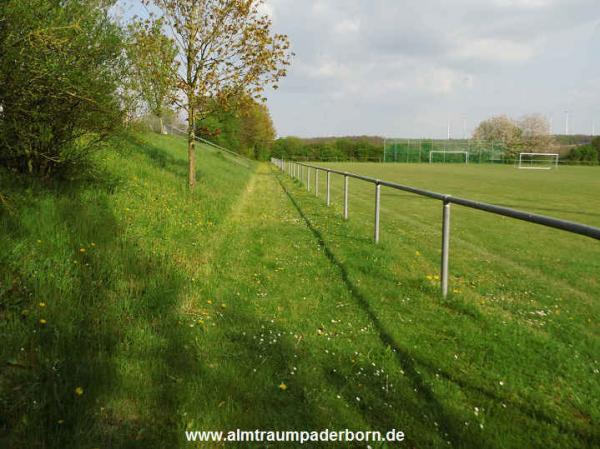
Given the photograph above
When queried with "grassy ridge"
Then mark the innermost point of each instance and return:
(248, 304)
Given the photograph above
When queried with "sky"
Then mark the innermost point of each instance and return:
(399, 68)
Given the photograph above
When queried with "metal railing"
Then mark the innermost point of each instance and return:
(297, 169)
(240, 159)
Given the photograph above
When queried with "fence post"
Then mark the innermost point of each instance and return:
(377, 209)
(445, 246)
(308, 178)
(316, 182)
(345, 197)
(328, 189)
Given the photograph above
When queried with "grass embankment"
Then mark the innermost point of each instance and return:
(248, 305)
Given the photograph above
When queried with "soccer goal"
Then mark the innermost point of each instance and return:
(449, 156)
(538, 161)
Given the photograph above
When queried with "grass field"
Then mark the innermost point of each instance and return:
(131, 310)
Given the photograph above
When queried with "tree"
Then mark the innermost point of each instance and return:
(60, 68)
(244, 125)
(535, 133)
(500, 129)
(226, 48)
(257, 132)
(152, 58)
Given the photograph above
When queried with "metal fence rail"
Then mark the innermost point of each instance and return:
(297, 169)
(240, 159)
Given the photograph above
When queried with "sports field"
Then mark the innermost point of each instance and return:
(538, 254)
(519, 328)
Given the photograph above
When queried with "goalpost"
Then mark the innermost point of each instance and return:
(538, 161)
(444, 153)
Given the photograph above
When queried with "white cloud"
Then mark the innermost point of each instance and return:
(494, 50)
(347, 26)
(266, 9)
(526, 4)
(389, 60)
(442, 81)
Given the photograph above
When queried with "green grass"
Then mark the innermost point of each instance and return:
(188, 311)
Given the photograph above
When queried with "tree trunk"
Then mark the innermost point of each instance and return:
(191, 149)
(163, 130)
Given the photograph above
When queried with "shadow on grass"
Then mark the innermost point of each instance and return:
(115, 365)
(450, 427)
(77, 380)
(159, 157)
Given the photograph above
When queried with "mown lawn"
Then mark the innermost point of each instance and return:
(248, 304)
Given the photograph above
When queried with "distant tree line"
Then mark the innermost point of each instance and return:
(363, 148)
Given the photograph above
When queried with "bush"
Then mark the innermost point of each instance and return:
(586, 154)
(60, 66)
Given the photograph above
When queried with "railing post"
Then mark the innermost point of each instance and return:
(345, 197)
(308, 178)
(377, 208)
(328, 188)
(445, 246)
(316, 182)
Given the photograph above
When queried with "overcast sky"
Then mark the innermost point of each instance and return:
(400, 68)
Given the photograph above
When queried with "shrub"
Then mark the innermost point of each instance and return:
(586, 154)
(60, 66)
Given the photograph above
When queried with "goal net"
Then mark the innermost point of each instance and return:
(449, 156)
(538, 161)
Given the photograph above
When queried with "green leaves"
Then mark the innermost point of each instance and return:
(60, 67)
(153, 64)
(226, 48)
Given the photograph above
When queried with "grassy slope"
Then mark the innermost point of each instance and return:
(189, 311)
(107, 265)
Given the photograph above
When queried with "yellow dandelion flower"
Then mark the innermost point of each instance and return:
(417, 253)
(209, 302)
(223, 306)
(78, 391)
(82, 250)
(42, 304)
(93, 244)
(282, 386)
(456, 290)
(436, 277)
(39, 241)
(430, 277)
(42, 321)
